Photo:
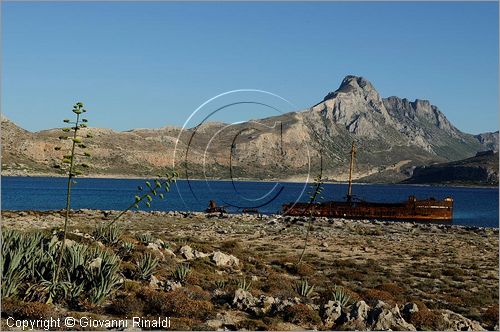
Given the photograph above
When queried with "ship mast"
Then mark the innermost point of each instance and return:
(349, 189)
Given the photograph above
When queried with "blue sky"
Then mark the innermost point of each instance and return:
(152, 64)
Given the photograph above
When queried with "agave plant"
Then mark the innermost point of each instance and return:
(243, 284)
(108, 235)
(339, 294)
(220, 284)
(304, 289)
(127, 247)
(102, 275)
(146, 266)
(43, 265)
(144, 238)
(181, 272)
(48, 291)
(76, 258)
(19, 253)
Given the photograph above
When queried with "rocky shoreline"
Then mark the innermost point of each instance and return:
(398, 276)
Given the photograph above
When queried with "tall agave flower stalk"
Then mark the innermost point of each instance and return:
(314, 197)
(70, 165)
(154, 189)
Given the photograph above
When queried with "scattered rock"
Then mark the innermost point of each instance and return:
(408, 310)
(331, 312)
(169, 252)
(199, 254)
(267, 303)
(170, 285)
(160, 243)
(222, 259)
(187, 252)
(457, 322)
(359, 311)
(154, 282)
(153, 246)
(226, 320)
(383, 317)
(243, 300)
(96, 263)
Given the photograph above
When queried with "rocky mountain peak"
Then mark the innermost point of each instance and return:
(354, 84)
(356, 106)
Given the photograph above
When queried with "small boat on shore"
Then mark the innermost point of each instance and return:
(412, 209)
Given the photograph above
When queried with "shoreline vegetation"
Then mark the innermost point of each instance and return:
(126, 177)
(240, 271)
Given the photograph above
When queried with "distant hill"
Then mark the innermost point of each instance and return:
(481, 169)
(392, 136)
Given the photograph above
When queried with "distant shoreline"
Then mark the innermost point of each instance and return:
(126, 177)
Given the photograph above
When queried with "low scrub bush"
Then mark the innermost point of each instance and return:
(124, 306)
(427, 320)
(371, 296)
(490, 316)
(301, 314)
(278, 285)
(397, 292)
(27, 310)
(178, 303)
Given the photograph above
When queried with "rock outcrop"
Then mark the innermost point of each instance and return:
(479, 170)
(357, 316)
(488, 140)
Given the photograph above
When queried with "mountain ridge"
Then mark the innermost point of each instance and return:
(393, 136)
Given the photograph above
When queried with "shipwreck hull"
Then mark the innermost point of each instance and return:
(418, 210)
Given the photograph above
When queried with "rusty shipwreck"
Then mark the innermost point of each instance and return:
(412, 209)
